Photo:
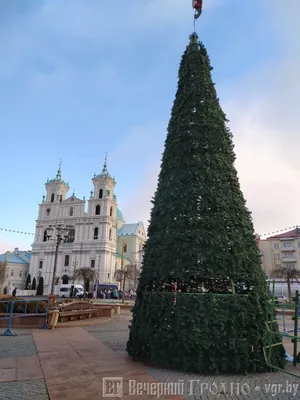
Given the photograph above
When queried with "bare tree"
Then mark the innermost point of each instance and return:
(288, 274)
(86, 275)
(3, 266)
(129, 272)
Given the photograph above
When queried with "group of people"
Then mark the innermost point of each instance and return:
(109, 294)
(114, 294)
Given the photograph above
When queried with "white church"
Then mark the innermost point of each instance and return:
(97, 237)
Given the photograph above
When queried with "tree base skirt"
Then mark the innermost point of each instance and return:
(207, 333)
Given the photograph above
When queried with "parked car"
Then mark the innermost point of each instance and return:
(67, 291)
(281, 288)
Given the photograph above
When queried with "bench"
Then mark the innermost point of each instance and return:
(77, 314)
(104, 310)
(81, 310)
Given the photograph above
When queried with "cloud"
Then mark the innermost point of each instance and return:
(91, 21)
(266, 179)
(139, 204)
(130, 149)
(9, 244)
(139, 154)
(263, 108)
(264, 113)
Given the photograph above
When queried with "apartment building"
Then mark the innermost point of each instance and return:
(281, 250)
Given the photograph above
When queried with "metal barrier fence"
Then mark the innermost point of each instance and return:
(273, 331)
(10, 313)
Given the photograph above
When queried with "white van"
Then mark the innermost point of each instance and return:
(65, 290)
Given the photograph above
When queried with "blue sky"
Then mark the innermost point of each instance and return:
(82, 77)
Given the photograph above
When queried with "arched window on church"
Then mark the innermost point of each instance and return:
(111, 211)
(45, 236)
(97, 210)
(52, 197)
(60, 198)
(100, 194)
(109, 236)
(71, 211)
(96, 232)
(71, 235)
(65, 279)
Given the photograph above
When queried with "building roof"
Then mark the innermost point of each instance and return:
(104, 173)
(16, 257)
(72, 199)
(120, 215)
(58, 178)
(286, 235)
(118, 255)
(128, 229)
(27, 255)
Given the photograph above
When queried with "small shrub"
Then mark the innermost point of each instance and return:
(32, 307)
(19, 307)
(3, 307)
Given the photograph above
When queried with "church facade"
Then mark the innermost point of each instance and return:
(96, 236)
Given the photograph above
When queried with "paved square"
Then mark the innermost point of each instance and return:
(72, 363)
(21, 376)
(28, 390)
(114, 334)
(17, 346)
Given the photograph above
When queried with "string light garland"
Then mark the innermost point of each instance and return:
(32, 234)
(263, 235)
(14, 231)
(284, 230)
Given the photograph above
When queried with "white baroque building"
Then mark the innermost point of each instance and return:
(98, 237)
(16, 270)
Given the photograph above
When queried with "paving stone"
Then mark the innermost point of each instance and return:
(8, 374)
(114, 335)
(26, 390)
(8, 362)
(17, 346)
(17, 331)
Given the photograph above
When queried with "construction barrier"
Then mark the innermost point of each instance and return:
(10, 313)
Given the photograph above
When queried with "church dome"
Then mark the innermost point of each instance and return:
(120, 215)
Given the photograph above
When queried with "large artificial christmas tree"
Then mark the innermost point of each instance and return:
(202, 299)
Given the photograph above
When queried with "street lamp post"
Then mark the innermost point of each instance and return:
(61, 235)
